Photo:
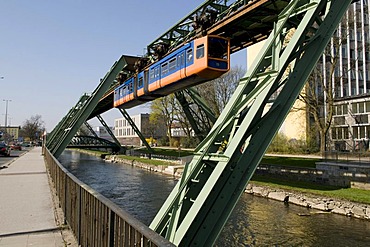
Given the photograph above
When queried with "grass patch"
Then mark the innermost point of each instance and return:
(168, 152)
(350, 194)
(146, 161)
(290, 161)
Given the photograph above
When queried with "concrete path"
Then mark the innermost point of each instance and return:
(26, 207)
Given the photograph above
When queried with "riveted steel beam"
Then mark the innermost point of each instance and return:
(70, 124)
(198, 207)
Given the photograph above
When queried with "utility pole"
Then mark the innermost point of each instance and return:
(6, 113)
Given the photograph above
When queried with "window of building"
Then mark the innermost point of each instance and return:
(345, 133)
(355, 132)
(354, 108)
(339, 120)
(361, 107)
(362, 131)
(367, 104)
(339, 133)
(345, 109)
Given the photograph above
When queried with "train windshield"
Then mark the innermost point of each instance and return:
(217, 48)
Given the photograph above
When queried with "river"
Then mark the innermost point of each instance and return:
(255, 221)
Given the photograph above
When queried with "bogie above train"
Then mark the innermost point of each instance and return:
(198, 61)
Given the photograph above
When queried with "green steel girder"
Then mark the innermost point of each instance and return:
(198, 207)
(91, 142)
(88, 126)
(70, 124)
(58, 132)
(198, 113)
(108, 130)
(136, 129)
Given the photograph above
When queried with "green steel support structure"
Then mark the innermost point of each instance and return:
(68, 127)
(198, 207)
(88, 126)
(108, 130)
(198, 113)
(136, 129)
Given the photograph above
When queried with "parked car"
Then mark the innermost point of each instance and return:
(4, 149)
(16, 147)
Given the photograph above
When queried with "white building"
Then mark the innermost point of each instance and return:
(126, 134)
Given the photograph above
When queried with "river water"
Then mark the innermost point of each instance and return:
(255, 221)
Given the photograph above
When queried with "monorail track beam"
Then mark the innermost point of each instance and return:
(198, 207)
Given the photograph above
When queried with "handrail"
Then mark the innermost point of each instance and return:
(94, 219)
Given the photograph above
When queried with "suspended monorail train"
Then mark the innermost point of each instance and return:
(198, 61)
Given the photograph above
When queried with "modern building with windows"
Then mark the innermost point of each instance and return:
(126, 135)
(346, 66)
(350, 128)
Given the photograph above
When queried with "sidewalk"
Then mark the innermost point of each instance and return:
(26, 207)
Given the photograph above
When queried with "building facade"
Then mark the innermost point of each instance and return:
(346, 66)
(126, 135)
(350, 129)
(11, 133)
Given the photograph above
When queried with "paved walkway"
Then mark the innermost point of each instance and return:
(26, 207)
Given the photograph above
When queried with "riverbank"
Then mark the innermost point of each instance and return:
(324, 204)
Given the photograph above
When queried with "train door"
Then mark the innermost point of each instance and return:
(146, 81)
(181, 64)
(140, 85)
(189, 58)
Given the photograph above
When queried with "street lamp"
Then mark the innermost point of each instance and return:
(6, 112)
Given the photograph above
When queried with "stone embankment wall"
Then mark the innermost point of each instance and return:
(347, 208)
(344, 175)
(169, 170)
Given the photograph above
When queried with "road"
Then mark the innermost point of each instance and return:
(14, 154)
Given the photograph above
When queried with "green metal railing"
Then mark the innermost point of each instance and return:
(95, 220)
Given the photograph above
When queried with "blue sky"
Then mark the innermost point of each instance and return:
(51, 52)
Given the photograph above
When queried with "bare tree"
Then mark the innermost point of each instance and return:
(33, 128)
(324, 83)
(163, 110)
(218, 92)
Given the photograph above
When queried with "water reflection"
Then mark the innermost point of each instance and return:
(255, 221)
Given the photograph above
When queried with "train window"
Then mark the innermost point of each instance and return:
(164, 69)
(217, 48)
(189, 56)
(172, 64)
(200, 51)
(141, 82)
(180, 60)
(151, 74)
(157, 72)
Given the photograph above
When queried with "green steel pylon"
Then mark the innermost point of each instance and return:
(88, 126)
(136, 129)
(108, 130)
(68, 127)
(198, 113)
(198, 207)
